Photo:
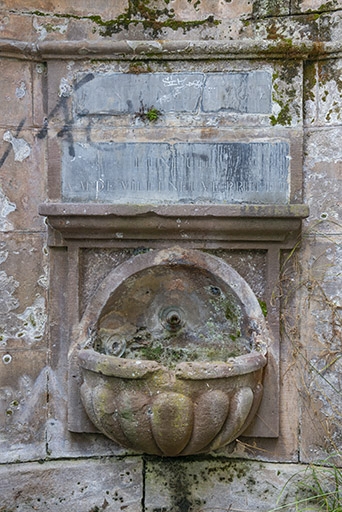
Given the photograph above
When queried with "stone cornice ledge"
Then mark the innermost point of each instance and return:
(170, 49)
(228, 223)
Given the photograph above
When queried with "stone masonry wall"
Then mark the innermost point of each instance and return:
(45, 467)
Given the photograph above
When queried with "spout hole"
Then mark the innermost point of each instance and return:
(215, 290)
(172, 318)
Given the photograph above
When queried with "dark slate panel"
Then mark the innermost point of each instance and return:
(159, 172)
(127, 93)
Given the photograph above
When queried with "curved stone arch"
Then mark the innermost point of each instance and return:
(175, 256)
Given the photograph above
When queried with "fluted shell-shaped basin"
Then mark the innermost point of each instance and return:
(171, 352)
(194, 408)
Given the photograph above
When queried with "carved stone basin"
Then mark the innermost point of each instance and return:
(172, 348)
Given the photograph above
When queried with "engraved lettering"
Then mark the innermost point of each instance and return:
(109, 185)
(99, 186)
(143, 172)
(164, 163)
(84, 185)
(172, 186)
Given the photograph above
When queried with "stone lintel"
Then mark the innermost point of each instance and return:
(231, 223)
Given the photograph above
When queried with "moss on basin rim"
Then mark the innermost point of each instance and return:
(138, 369)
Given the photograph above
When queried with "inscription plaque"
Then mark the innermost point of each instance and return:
(123, 93)
(158, 172)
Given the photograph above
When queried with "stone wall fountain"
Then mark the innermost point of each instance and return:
(172, 348)
(156, 227)
(173, 148)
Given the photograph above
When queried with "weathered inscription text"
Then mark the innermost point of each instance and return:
(157, 172)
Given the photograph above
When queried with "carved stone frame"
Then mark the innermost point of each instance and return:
(73, 227)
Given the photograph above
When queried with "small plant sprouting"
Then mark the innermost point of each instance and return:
(148, 114)
(153, 114)
(263, 307)
(317, 488)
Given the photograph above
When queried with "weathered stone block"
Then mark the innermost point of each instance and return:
(24, 283)
(313, 5)
(89, 486)
(326, 205)
(14, 26)
(266, 8)
(23, 404)
(321, 371)
(21, 154)
(188, 10)
(287, 95)
(264, 97)
(329, 93)
(15, 93)
(323, 176)
(216, 485)
(321, 409)
(81, 9)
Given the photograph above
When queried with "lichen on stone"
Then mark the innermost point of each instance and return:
(154, 20)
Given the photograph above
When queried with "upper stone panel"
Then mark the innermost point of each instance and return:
(174, 137)
(120, 93)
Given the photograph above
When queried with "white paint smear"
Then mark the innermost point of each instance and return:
(6, 207)
(21, 148)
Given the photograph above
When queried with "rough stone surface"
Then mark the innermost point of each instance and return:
(46, 47)
(313, 5)
(321, 285)
(219, 485)
(94, 485)
(23, 405)
(24, 188)
(65, 7)
(24, 283)
(261, 20)
(16, 96)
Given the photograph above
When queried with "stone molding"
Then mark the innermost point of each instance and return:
(169, 49)
(233, 223)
